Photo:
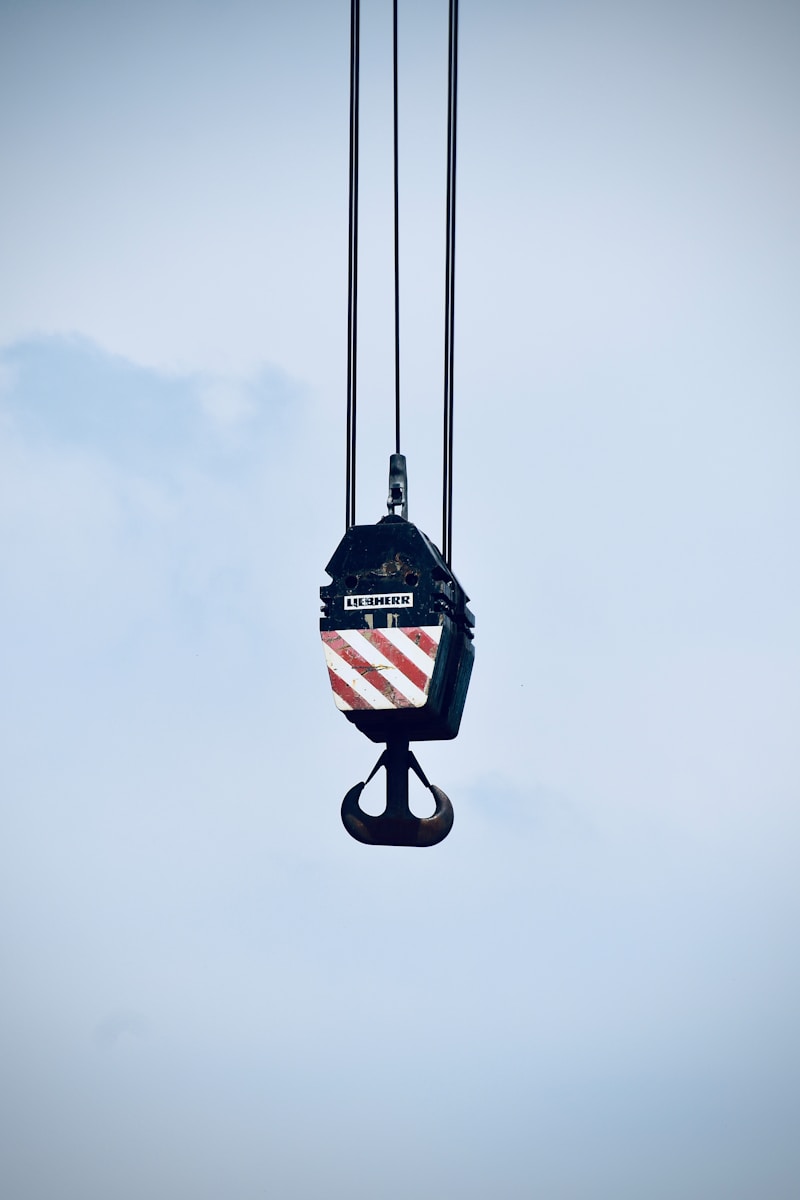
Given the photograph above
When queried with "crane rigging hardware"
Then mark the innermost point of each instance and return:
(395, 626)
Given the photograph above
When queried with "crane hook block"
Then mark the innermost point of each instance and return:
(397, 634)
(398, 642)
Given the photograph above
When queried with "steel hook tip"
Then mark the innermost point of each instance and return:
(394, 830)
(397, 825)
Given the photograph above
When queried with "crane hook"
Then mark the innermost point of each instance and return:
(397, 825)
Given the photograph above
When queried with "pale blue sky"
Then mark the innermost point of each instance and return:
(590, 990)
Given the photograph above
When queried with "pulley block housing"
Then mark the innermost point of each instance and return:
(397, 633)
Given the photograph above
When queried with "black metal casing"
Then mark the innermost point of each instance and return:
(392, 558)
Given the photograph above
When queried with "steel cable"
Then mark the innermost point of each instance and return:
(450, 270)
(396, 250)
(352, 269)
(450, 280)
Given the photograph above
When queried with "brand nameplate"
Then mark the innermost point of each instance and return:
(382, 600)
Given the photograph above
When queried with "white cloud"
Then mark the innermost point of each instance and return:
(226, 402)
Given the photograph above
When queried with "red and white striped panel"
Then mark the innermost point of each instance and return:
(381, 668)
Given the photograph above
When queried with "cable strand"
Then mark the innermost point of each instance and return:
(450, 273)
(352, 269)
(397, 393)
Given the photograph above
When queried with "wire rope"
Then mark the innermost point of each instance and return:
(352, 269)
(450, 269)
(450, 280)
(396, 248)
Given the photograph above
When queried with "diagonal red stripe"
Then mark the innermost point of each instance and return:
(365, 669)
(396, 657)
(422, 639)
(346, 693)
(350, 656)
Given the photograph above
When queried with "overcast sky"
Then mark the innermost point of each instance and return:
(590, 990)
